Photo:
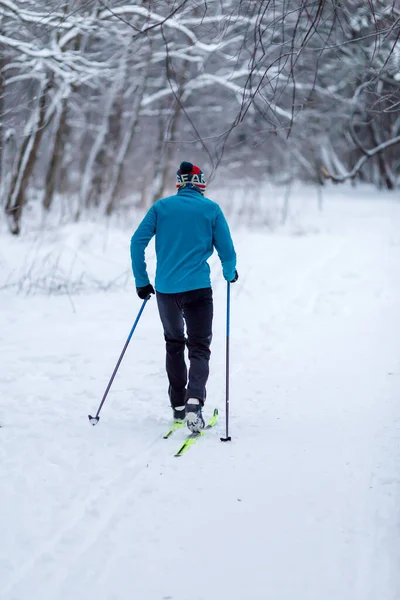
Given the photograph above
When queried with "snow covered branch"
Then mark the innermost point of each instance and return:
(360, 163)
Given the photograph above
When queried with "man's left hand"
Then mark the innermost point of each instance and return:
(145, 292)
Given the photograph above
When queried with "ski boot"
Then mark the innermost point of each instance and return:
(194, 415)
(179, 413)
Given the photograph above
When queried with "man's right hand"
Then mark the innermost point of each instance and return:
(235, 278)
(145, 292)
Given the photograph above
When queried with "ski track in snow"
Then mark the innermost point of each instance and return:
(304, 503)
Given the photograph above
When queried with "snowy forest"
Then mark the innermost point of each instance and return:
(101, 99)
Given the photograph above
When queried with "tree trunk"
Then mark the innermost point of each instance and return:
(54, 167)
(26, 161)
(164, 161)
(166, 149)
(1, 129)
(116, 174)
(94, 171)
(385, 174)
(56, 158)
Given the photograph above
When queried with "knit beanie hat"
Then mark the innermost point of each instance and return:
(189, 173)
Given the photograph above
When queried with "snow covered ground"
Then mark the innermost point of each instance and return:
(302, 505)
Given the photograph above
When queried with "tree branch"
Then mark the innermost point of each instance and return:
(359, 164)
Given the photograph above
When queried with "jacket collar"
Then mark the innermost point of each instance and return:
(189, 187)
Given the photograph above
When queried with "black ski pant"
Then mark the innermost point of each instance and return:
(195, 309)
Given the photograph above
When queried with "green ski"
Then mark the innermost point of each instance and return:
(175, 425)
(192, 439)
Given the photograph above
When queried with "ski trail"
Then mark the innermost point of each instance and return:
(84, 536)
(94, 505)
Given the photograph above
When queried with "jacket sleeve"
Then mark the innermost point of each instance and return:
(223, 243)
(139, 243)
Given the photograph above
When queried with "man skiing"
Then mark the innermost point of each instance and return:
(187, 227)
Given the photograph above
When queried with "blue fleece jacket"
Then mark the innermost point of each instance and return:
(187, 227)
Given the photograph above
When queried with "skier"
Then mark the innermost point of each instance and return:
(187, 227)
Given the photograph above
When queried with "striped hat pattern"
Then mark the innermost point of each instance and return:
(189, 173)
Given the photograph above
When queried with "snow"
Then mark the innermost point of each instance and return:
(302, 504)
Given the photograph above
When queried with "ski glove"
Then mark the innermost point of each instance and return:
(235, 278)
(145, 292)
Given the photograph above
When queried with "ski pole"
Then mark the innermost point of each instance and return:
(227, 438)
(95, 420)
